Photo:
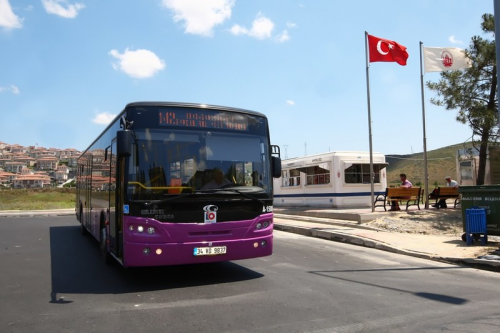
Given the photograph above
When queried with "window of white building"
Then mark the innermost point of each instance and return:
(290, 178)
(359, 173)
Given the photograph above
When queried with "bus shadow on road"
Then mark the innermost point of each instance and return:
(427, 295)
(77, 268)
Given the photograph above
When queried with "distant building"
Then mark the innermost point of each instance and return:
(3, 161)
(47, 163)
(14, 167)
(468, 165)
(61, 174)
(28, 167)
(6, 178)
(31, 181)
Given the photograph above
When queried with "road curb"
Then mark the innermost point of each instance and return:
(492, 265)
(324, 220)
(20, 213)
(360, 218)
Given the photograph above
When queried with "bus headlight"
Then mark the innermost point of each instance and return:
(140, 228)
(258, 226)
(151, 230)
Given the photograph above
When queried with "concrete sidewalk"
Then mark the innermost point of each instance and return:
(348, 226)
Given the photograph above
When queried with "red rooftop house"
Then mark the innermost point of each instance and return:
(61, 174)
(6, 178)
(14, 167)
(47, 163)
(31, 181)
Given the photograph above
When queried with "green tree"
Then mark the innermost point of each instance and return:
(473, 93)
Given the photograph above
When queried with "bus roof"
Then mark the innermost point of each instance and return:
(195, 105)
(173, 104)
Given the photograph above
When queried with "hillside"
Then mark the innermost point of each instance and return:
(441, 162)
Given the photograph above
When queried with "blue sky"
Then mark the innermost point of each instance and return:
(68, 66)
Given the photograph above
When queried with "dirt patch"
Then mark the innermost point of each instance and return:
(443, 222)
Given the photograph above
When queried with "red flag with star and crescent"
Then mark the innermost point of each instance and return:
(386, 50)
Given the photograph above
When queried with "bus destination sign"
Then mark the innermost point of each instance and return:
(204, 119)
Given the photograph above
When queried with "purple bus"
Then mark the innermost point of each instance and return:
(176, 183)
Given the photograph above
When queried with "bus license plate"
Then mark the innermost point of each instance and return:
(209, 251)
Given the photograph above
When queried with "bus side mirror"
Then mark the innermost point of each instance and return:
(124, 143)
(276, 166)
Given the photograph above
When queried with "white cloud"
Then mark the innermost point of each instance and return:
(103, 118)
(200, 16)
(12, 89)
(291, 24)
(8, 19)
(262, 28)
(139, 64)
(283, 37)
(62, 8)
(290, 102)
(454, 40)
(238, 30)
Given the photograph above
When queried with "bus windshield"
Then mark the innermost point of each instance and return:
(170, 162)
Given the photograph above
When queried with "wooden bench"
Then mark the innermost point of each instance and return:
(445, 193)
(412, 196)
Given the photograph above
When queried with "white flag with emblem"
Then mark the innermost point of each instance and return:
(438, 59)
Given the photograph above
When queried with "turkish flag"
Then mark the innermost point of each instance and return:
(386, 50)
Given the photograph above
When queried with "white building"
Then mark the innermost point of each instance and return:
(334, 179)
(61, 174)
(31, 181)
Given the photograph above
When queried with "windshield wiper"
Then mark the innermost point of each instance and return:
(235, 191)
(182, 195)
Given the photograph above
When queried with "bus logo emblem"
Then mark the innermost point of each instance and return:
(210, 213)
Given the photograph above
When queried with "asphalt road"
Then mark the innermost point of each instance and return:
(52, 280)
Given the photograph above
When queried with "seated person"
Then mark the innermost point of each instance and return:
(442, 202)
(218, 181)
(405, 183)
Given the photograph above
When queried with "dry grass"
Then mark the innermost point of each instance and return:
(441, 162)
(37, 199)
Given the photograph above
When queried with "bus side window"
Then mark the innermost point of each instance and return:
(106, 152)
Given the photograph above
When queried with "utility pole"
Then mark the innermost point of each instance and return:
(496, 10)
(286, 151)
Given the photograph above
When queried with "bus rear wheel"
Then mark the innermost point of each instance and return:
(103, 246)
(83, 231)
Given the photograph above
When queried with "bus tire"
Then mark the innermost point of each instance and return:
(83, 231)
(103, 246)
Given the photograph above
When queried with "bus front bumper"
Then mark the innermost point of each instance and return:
(158, 254)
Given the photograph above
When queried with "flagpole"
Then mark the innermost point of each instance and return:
(426, 175)
(369, 123)
(496, 12)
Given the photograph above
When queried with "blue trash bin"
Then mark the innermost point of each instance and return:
(475, 225)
